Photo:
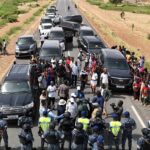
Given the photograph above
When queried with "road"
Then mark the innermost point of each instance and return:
(73, 51)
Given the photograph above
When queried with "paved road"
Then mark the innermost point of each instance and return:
(128, 104)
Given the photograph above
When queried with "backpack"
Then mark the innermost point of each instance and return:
(79, 138)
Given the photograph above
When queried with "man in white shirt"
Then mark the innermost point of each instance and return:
(104, 78)
(72, 108)
(51, 95)
(74, 74)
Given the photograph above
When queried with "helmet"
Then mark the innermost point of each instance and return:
(126, 114)
(79, 126)
(114, 116)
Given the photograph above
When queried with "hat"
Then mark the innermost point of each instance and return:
(83, 113)
(126, 113)
(114, 115)
(45, 113)
(78, 88)
(61, 102)
(100, 139)
(71, 100)
(73, 95)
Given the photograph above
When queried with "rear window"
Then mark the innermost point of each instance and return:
(86, 33)
(49, 52)
(56, 34)
(117, 64)
(46, 21)
(25, 40)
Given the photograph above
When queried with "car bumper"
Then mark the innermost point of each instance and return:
(24, 53)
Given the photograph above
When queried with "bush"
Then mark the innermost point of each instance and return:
(116, 1)
(12, 18)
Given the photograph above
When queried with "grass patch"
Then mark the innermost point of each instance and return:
(121, 7)
(147, 65)
(13, 30)
(9, 10)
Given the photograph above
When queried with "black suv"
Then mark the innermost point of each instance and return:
(84, 31)
(119, 72)
(92, 44)
(15, 95)
(26, 46)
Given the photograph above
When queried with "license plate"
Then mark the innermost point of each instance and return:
(12, 117)
(120, 86)
(24, 52)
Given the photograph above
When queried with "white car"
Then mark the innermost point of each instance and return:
(45, 29)
(45, 21)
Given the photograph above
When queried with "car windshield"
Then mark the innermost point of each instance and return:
(49, 52)
(25, 41)
(15, 87)
(51, 10)
(47, 27)
(117, 64)
(46, 21)
(96, 45)
(87, 33)
(55, 35)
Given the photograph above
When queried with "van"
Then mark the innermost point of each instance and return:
(120, 76)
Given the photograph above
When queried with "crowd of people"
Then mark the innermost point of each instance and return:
(67, 114)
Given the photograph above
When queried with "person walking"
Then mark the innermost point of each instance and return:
(94, 81)
(44, 122)
(26, 137)
(114, 130)
(52, 138)
(104, 78)
(51, 95)
(79, 138)
(128, 125)
(4, 45)
(3, 131)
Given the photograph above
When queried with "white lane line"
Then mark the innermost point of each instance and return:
(138, 116)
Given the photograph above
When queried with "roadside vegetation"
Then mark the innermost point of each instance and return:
(148, 36)
(118, 6)
(9, 10)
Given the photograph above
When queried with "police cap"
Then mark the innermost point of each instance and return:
(45, 113)
(83, 113)
(114, 115)
(126, 113)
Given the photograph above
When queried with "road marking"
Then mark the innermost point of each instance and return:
(138, 116)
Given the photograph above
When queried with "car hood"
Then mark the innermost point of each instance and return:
(15, 99)
(60, 39)
(119, 73)
(22, 47)
(93, 50)
(48, 58)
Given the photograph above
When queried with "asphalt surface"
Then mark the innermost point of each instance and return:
(134, 110)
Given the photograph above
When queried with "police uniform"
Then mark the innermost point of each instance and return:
(115, 128)
(128, 125)
(52, 138)
(26, 138)
(3, 132)
(44, 123)
(25, 120)
(99, 144)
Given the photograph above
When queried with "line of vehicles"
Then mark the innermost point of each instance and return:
(15, 92)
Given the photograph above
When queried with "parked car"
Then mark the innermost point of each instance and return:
(50, 49)
(45, 21)
(57, 33)
(84, 31)
(92, 44)
(120, 76)
(15, 94)
(25, 46)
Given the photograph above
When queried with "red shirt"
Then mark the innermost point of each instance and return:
(145, 91)
(136, 87)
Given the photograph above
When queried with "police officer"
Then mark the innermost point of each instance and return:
(128, 124)
(3, 131)
(79, 138)
(26, 137)
(99, 122)
(25, 119)
(84, 120)
(143, 142)
(99, 144)
(114, 129)
(52, 138)
(93, 137)
(44, 123)
(66, 126)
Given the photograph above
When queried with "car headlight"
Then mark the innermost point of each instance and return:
(28, 106)
(17, 48)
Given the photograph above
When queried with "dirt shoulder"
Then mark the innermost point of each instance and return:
(6, 61)
(116, 31)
